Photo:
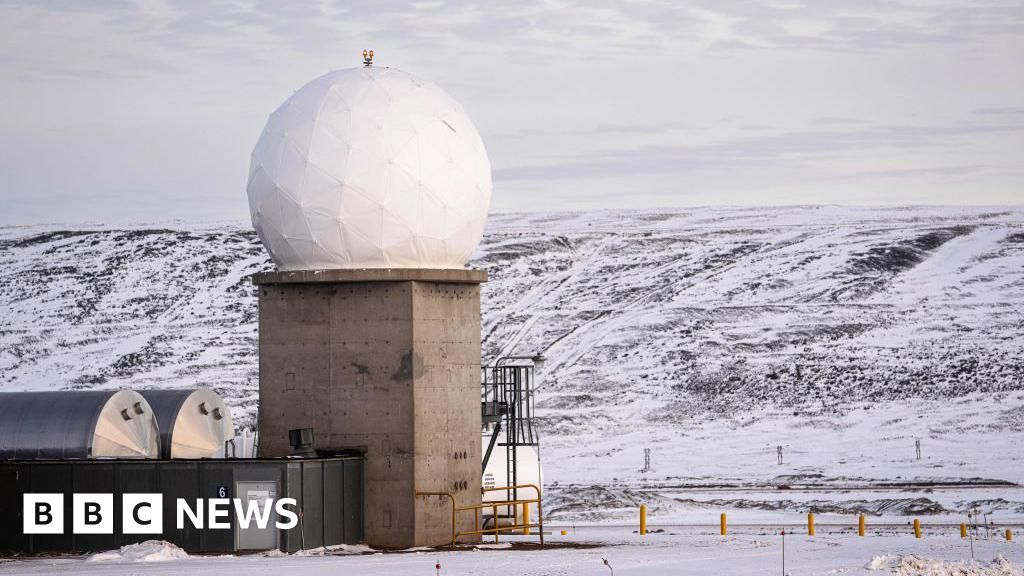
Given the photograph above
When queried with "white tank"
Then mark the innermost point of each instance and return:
(528, 471)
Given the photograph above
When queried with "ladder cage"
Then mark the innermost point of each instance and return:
(507, 406)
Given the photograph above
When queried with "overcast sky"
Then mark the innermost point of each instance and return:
(120, 110)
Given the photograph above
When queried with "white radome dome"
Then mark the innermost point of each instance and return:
(369, 168)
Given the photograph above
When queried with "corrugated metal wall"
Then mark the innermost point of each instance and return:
(329, 492)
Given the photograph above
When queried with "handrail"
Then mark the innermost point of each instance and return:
(497, 488)
(452, 499)
(477, 508)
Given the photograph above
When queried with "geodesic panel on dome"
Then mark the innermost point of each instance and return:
(369, 168)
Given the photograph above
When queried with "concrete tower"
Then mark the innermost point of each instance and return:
(370, 189)
(386, 362)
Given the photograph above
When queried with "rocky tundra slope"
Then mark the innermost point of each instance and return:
(714, 337)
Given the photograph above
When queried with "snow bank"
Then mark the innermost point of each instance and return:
(912, 565)
(337, 550)
(882, 562)
(275, 553)
(162, 551)
(148, 551)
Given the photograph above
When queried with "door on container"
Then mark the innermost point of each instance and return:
(261, 494)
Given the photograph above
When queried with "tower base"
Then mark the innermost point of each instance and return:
(386, 362)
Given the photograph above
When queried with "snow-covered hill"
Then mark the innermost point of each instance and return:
(711, 336)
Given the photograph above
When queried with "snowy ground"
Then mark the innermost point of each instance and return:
(675, 552)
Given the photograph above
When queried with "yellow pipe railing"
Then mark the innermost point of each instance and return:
(526, 518)
(451, 499)
(476, 508)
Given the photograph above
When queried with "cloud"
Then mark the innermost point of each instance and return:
(866, 26)
(837, 121)
(961, 170)
(1001, 111)
(738, 94)
(604, 26)
(614, 129)
(779, 148)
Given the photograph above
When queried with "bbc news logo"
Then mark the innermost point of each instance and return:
(143, 513)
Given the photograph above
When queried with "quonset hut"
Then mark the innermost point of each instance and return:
(193, 423)
(77, 425)
(109, 442)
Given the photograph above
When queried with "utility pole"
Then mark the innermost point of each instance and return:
(917, 444)
(778, 449)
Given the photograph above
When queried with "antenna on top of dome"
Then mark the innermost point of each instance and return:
(367, 57)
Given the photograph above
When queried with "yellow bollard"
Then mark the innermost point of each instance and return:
(917, 528)
(526, 518)
(565, 532)
(643, 519)
(963, 530)
(861, 525)
(810, 523)
(1009, 535)
(723, 524)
